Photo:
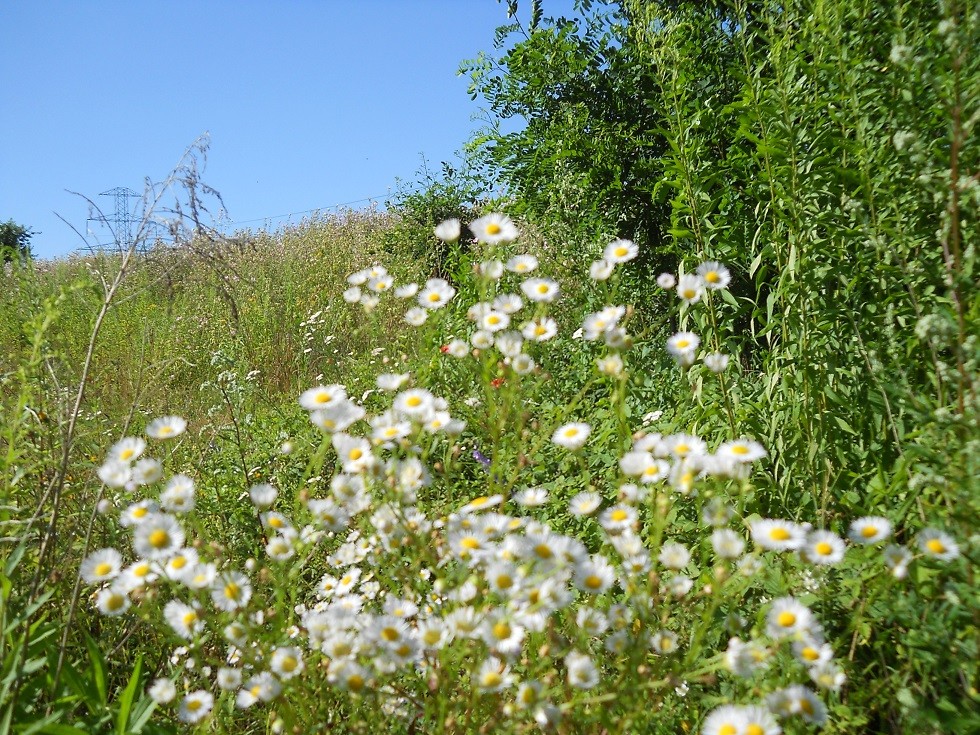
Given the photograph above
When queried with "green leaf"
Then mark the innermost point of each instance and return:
(98, 668)
(126, 700)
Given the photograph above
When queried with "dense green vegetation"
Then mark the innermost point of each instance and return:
(824, 153)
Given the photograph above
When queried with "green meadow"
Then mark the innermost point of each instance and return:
(658, 415)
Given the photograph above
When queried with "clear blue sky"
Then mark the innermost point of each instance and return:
(308, 103)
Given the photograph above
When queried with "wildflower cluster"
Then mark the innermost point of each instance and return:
(522, 603)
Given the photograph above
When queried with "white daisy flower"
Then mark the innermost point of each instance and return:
(666, 280)
(540, 329)
(823, 547)
(493, 676)
(381, 284)
(531, 497)
(683, 347)
(742, 450)
(406, 290)
(674, 555)
(414, 404)
(261, 688)
(158, 536)
(178, 495)
(716, 362)
(594, 575)
(494, 321)
(493, 229)
(572, 436)
(287, 662)
(522, 264)
(788, 618)
(778, 535)
(162, 691)
(938, 544)
(391, 381)
(127, 449)
(229, 678)
(322, 396)
(435, 294)
(726, 543)
(620, 251)
(490, 269)
(114, 473)
(262, 495)
(146, 471)
(689, 288)
(600, 270)
(166, 427)
(448, 230)
(180, 565)
(870, 530)
(714, 275)
(184, 619)
(416, 316)
(352, 295)
(581, 671)
(231, 591)
(584, 504)
(664, 642)
(112, 601)
(101, 566)
(523, 364)
(540, 289)
(337, 416)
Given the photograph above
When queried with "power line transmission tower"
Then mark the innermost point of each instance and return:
(123, 219)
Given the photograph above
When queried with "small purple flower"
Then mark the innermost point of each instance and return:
(481, 458)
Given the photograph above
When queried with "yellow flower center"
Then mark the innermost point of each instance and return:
(491, 679)
(740, 449)
(323, 398)
(493, 229)
(493, 319)
(166, 430)
(504, 581)
(470, 543)
(869, 531)
(543, 551)
(619, 515)
(114, 602)
(233, 591)
(126, 454)
(355, 454)
(754, 729)
(682, 343)
(178, 562)
(390, 634)
(806, 705)
(139, 512)
(159, 539)
(543, 288)
(786, 619)
(289, 664)
(434, 297)
(712, 277)
(276, 522)
(620, 251)
(431, 637)
(355, 682)
(539, 330)
(824, 549)
(501, 631)
(779, 534)
(810, 653)
(593, 582)
(728, 729)
(193, 705)
(935, 546)
(413, 401)
(103, 569)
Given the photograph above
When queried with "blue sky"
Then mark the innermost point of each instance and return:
(308, 103)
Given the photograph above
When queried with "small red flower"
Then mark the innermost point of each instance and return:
(444, 349)
(497, 382)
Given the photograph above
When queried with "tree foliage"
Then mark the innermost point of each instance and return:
(15, 241)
